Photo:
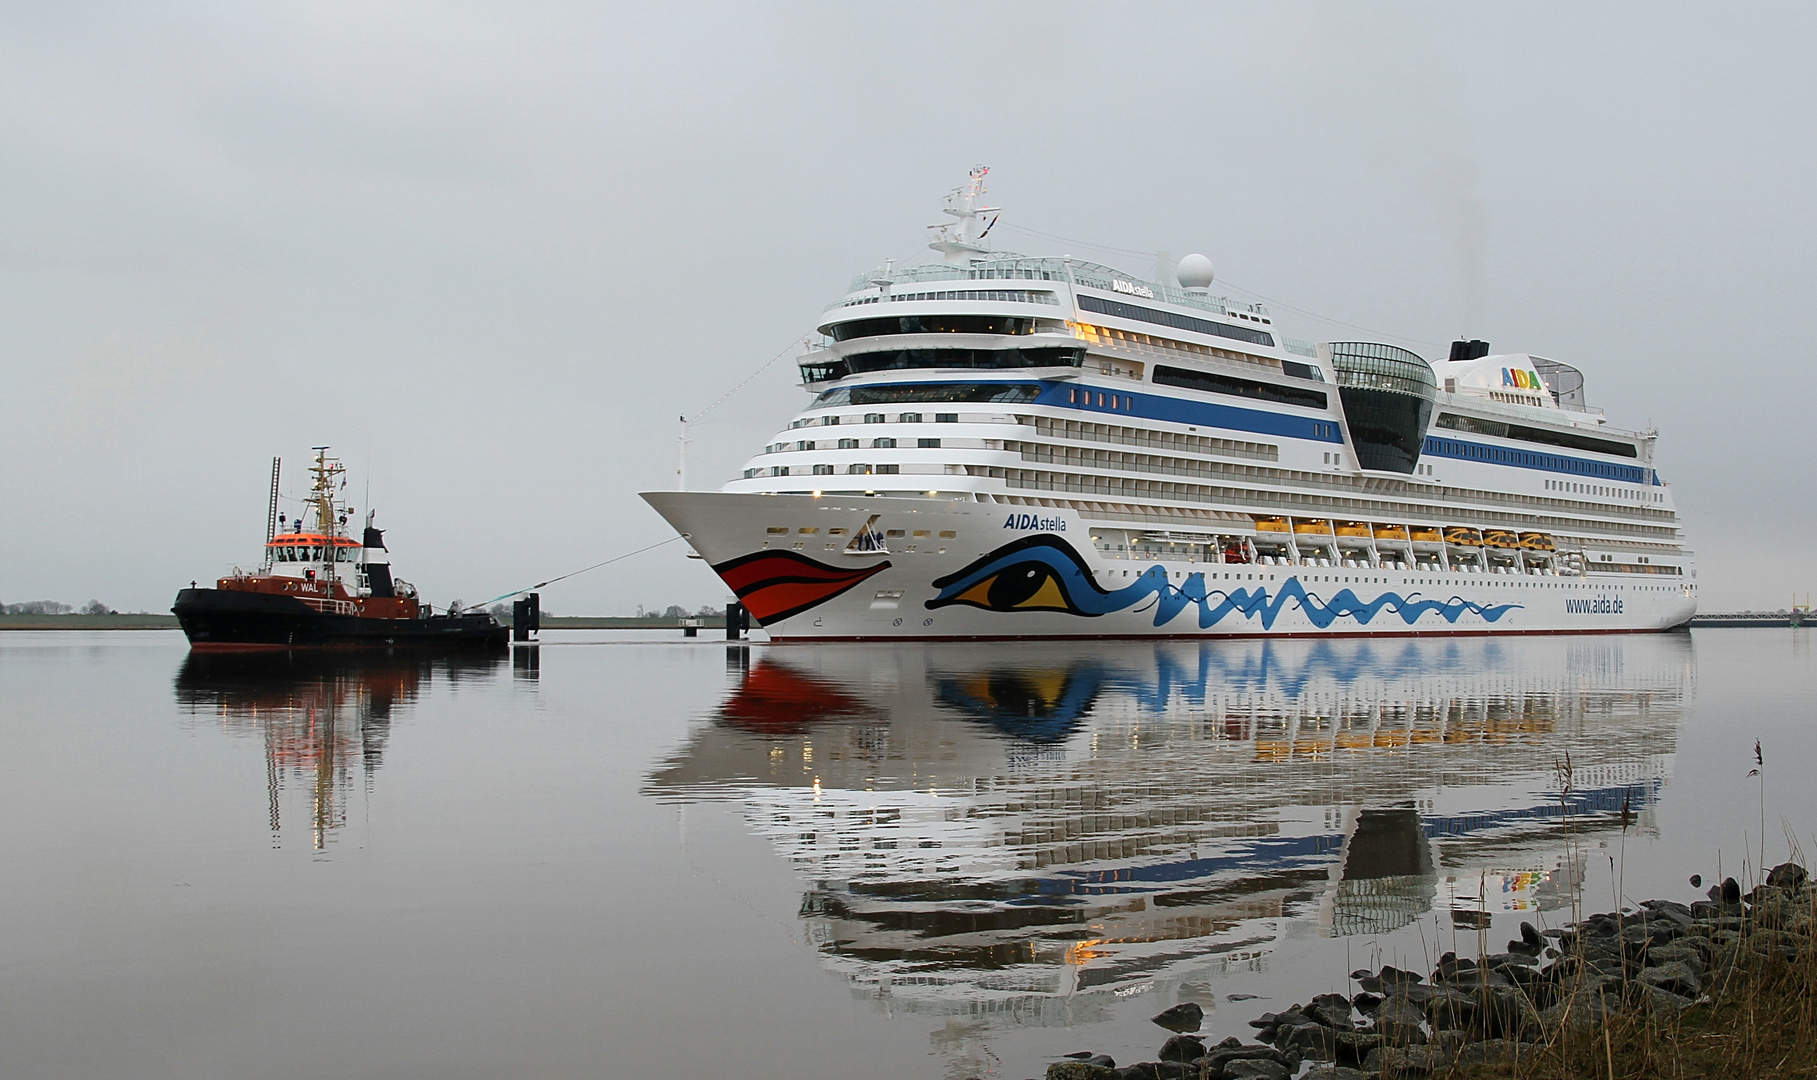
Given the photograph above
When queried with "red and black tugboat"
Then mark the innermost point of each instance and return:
(318, 586)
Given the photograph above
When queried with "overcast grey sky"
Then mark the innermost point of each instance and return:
(490, 252)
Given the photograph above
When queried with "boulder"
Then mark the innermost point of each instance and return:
(1366, 1003)
(1507, 1014)
(1677, 977)
(1787, 875)
(1334, 1072)
(1079, 1070)
(1256, 1068)
(1447, 1007)
(1488, 1052)
(1216, 1059)
(1141, 1071)
(1400, 1022)
(1309, 1040)
(1183, 1048)
(1729, 891)
(1185, 1016)
(1659, 1000)
(1332, 1010)
(1353, 1046)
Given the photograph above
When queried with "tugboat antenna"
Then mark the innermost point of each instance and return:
(271, 512)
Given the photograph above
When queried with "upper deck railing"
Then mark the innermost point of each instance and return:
(1032, 268)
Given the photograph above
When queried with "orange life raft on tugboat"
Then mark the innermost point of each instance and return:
(319, 587)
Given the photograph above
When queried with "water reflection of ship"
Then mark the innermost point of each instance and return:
(321, 714)
(1005, 831)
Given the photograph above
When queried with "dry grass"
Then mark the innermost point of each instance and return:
(1758, 1018)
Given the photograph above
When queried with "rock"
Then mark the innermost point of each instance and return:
(1079, 1070)
(1400, 1022)
(1488, 1052)
(1332, 1010)
(1239, 997)
(1176, 1070)
(1183, 1048)
(1660, 1000)
(1530, 936)
(1396, 1061)
(1507, 959)
(1142, 1071)
(1366, 1003)
(1448, 1008)
(1731, 891)
(1696, 881)
(1309, 1040)
(1334, 1072)
(1353, 1046)
(1786, 875)
(1676, 953)
(1102, 1059)
(1257, 1068)
(1507, 1014)
(1185, 1016)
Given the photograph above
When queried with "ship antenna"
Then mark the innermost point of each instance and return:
(962, 203)
(271, 514)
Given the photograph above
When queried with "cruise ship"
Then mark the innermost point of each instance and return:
(1008, 446)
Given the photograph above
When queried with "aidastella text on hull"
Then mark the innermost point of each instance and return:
(1007, 446)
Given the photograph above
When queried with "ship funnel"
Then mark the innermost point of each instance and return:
(1468, 350)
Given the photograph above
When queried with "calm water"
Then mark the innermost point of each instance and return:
(651, 858)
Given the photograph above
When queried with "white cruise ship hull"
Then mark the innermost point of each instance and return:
(962, 569)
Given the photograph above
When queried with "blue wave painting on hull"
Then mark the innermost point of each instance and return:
(1044, 573)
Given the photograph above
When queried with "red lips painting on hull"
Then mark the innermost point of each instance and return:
(774, 585)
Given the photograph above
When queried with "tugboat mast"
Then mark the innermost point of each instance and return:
(321, 495)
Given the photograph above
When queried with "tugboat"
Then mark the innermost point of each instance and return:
(318, 586)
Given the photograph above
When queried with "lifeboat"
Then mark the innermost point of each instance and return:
(1314, 528)
(319, 586)
(1272, 525)
(1537, 541)
(1392, 532)
(1358, 529)
(1463, 536)
(1426, 534)
(1501, 538)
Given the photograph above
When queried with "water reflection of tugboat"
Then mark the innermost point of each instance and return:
(321, 715)
(319, 586)
(1007, 834)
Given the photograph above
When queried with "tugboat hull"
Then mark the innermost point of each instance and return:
(231, 619)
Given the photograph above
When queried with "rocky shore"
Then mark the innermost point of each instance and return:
(1638, 969)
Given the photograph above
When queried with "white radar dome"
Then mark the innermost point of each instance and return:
(1194, 272)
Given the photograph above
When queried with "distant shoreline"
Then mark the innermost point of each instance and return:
(143, 621)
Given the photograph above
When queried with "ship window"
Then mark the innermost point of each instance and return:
(819, 371)
(930, 324)
(873, 418)
(889, 468)
(1119, 309)
(883, 444)
(823, 470)
(776, 530)
(858, 470)
(892, 533)
(1005, 393)
(928, 444)
(946, 418)
(948, 534)
(910, 418)
(1211, 383)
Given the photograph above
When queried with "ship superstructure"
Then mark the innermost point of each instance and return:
(1001, 445)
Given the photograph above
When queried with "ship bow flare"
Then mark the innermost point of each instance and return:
(773, 585)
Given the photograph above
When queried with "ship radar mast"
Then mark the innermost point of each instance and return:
(961, 247)
(322, 491)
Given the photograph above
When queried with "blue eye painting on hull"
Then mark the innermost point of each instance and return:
(1044, 573)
